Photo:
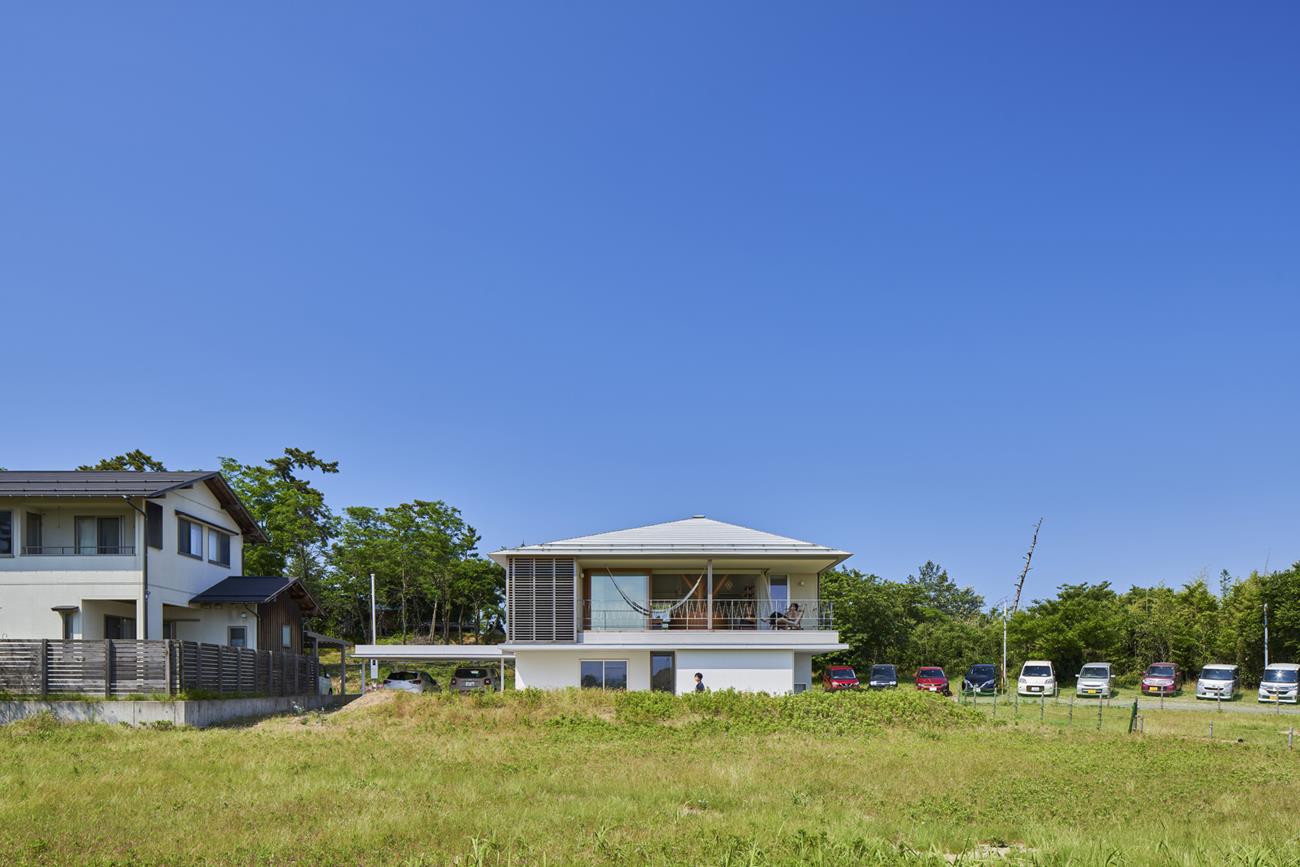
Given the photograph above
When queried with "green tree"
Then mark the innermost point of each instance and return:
(134, 461)
(292, 511)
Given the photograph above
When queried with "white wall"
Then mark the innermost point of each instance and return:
(557, 669)
(770, 671)
(214, 623)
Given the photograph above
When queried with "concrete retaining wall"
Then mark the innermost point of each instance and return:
(199, 714)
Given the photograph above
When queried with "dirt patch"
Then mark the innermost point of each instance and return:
(369, 700)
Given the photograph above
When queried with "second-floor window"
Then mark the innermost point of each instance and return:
(219, 547)
(189, 536)
(6, 533)
(33, 534)
(101, 535)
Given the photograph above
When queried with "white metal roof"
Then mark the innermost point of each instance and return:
(696, 535)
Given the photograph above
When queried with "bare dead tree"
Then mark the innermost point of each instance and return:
(1020, 585)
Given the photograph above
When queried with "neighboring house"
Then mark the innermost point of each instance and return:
(649, 607)
(88, 555)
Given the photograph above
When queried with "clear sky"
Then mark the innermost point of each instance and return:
(895, 277)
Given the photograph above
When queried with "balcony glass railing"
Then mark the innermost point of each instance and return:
(76, 550)
(737, 614)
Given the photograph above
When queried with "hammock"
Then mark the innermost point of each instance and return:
(645, 612)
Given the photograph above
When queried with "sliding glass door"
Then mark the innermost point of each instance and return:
(617, 602)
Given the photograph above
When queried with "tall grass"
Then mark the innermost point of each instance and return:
(590, 777)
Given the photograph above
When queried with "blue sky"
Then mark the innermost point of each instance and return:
(900, 278)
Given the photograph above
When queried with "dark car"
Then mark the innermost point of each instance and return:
(472, 680)
(1160, 678)
(411, 681)
(980, 679)
(883, 676)
(931, 678)
(837, 677)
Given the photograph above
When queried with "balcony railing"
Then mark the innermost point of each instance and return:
(76, 550)
(738, 614)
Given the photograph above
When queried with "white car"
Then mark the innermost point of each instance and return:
(1037, 677)
(1095, 678)
(1279, 683)
(1218, 682)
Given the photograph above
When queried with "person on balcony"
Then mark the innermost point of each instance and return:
(788, 619)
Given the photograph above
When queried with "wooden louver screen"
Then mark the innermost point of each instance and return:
(542, 596)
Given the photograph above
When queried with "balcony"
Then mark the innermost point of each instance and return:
(694, 614)
(78, 550)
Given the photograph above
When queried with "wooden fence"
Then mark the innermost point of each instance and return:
(117, 667)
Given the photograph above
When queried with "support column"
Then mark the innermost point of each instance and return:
(709, 570)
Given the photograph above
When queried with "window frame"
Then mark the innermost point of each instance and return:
(221, 536)
(604, 677)
(230, 636)
(286, 636)
(185, 540)
(8, 538)
(32, 520)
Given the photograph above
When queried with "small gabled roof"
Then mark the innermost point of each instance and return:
(255, 589)
(696, 535)
(87, 484)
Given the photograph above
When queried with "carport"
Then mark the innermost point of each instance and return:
(429, 652)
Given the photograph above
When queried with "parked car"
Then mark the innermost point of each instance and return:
(1160, 678)
(837, 677)
(883, 676)
(1095, 678)
(411, 681)
(472, 680)
(1279, 683)
(932, 679)
(1037, 677)
(980, 679)
(1218, 681)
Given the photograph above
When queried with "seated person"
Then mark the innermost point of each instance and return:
(788, 619)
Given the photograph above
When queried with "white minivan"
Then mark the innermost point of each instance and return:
(1037, 677)
(1095, 678)
(1279, 683)
(1218, 682)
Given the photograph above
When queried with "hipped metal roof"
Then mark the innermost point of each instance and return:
(89, 484)
(697, 535)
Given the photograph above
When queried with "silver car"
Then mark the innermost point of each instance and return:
(1218, 682)
(1095, 679)
(411, 681)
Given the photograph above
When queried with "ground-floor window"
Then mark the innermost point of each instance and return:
(119, 627)
(663, 674)
(237, 636)
(604, 674)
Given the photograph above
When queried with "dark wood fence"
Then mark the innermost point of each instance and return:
(116, 667)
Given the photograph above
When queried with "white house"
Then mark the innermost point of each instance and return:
(649, 607)
(89, 555)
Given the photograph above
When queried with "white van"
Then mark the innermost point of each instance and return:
(1095, 678)
(1037, 677)
(1279, 683)
(1218, 682)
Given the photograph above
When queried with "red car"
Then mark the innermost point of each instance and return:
(837, 677)
(1160, 678)
(932, 679)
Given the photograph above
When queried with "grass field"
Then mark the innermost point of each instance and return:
(588, 777)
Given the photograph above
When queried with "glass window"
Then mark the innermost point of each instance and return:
(119, 627)
(189, 538)
(604, 674)
(108, 535)
(618, 602)
(6, 532)
(286, 635)
(662, 673)
(219, 547)
(32, 533)
(87, 535)
(238, 636)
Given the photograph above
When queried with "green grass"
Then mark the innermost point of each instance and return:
(589, 777)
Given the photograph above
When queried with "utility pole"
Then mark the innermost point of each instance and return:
(1266, 635)
(1004, 643)
(374, 635)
